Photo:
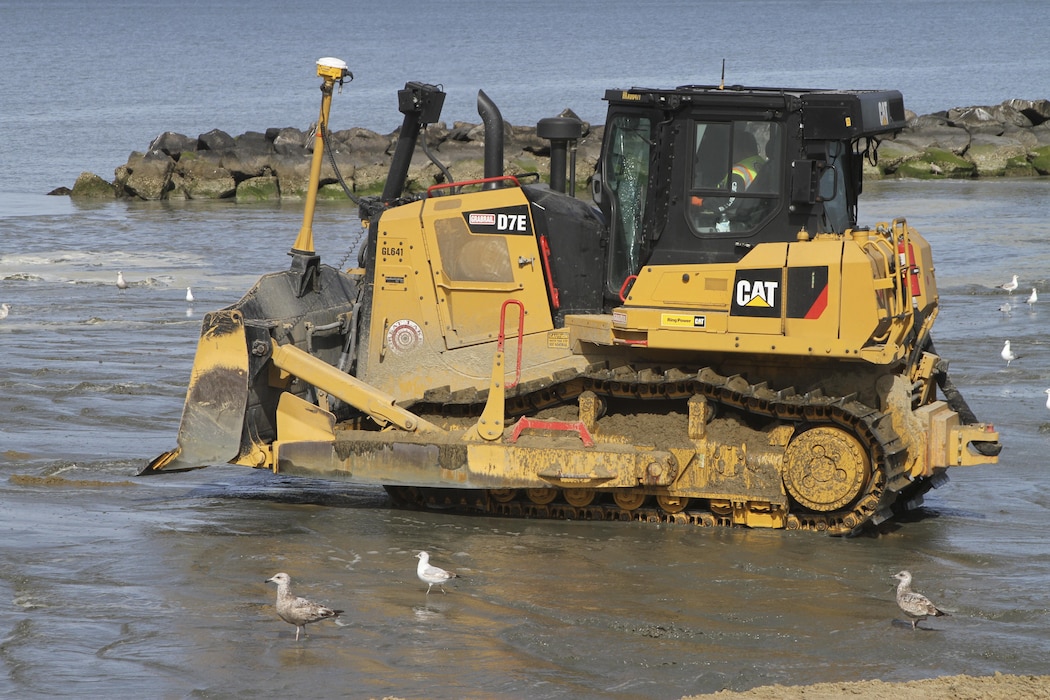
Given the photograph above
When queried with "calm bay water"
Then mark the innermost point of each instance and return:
(84, 84)
(112, 585)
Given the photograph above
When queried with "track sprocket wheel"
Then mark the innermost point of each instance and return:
(825, 468)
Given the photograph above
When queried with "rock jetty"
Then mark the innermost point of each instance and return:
(1011, 139)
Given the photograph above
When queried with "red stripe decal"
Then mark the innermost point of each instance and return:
(819, 305)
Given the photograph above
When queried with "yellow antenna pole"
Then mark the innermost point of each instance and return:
(331, 70)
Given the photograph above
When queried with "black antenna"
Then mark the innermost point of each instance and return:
(722, 85)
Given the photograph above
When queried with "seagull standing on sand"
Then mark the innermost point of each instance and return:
(1007, 354)
(121, 283)
(298, 611)
(5, 309)
(1032, 298)
(189, 295)
(915, 605)
(431, 575)
(1011, 285)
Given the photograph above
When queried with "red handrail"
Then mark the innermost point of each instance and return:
(521, 335)
(623, 287)
(482, 181)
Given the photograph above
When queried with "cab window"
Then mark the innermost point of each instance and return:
(735, 179)
(836, 211)
(626, 174)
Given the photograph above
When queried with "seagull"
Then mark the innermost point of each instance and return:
(121, 284)
(1011, 285)
(1033, 298)
(1048, 398)
(914, 605)
(5, 309)
(1007, 354)
(189, 295)
(298, 611)
(431, 575)
(1005, 308)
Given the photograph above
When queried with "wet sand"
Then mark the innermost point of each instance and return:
(998, 687)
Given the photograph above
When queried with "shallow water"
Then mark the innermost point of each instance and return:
(118, 585)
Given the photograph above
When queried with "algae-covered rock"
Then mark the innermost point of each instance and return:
(259, 189)
(892, 154)
(936, 164)
(1040, 160)
(91, 186)
(991, 154)
(332, 192)
(149, 175)
(201, 176)
(1019, 166)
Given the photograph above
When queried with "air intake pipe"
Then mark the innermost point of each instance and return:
(421, 104)
(562, 132)
(493, 121)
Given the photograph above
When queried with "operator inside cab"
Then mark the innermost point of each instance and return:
(734, 186)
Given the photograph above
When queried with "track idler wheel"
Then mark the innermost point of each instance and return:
(503, 495)
(672, 504)
(541, 496)
(579, 497)
(825, 468)
(629, 499)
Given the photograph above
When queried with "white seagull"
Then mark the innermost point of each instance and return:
(1005, 308)
(1011, 285)
(432, 575)
(915, 605)
(298, 611)
(1007, 354)
(189, 295)
(1048, 398)
(1032, 298)
(5, 309)
(121, 283)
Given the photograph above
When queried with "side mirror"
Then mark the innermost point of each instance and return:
(828, 187)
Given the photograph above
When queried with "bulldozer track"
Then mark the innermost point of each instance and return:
(871, 427)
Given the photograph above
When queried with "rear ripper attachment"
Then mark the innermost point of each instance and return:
(715, 341)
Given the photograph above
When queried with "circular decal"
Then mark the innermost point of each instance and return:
(404, 336)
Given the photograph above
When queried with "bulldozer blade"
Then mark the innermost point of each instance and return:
(213, 416)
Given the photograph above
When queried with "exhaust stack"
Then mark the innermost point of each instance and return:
(493, 121)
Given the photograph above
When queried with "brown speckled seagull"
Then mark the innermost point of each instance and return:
(915, 605)
(298, 611)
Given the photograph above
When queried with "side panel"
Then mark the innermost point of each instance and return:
(812, 298)
(444, 267)
(483, 251)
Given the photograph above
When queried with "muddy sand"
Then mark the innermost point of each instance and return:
(999, 686)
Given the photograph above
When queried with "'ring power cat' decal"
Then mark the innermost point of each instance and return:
(503, 220)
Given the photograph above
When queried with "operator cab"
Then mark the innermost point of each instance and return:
(702, 174)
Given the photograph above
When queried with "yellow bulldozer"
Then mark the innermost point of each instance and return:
(711, 339)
